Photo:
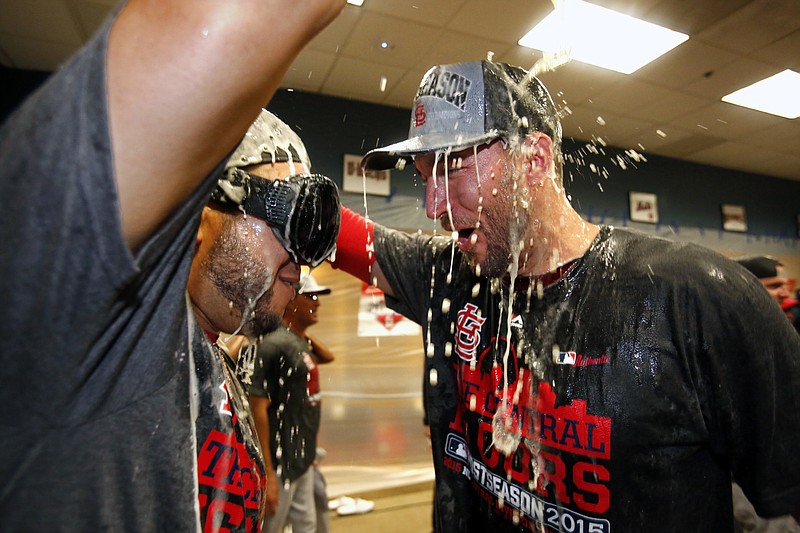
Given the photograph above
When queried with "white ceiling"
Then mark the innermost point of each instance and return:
(670, 107)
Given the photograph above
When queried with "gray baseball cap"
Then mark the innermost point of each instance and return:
(466, 104)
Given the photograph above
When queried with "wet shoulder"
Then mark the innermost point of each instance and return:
(634, 254)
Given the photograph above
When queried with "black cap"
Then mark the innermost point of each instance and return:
(763, 266)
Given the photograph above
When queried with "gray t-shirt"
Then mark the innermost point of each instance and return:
(101, 425)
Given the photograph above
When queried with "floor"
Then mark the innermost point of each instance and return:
(402, 509)
(372, 414)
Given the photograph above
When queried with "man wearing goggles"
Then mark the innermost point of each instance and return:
(267, 216)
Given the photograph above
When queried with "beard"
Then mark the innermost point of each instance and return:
(244, 280)
(504, 225)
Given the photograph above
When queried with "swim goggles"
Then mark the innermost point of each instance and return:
(303, 210)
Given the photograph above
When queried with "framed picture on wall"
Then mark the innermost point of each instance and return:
(734, 218)
(356, 179)
(644, 207)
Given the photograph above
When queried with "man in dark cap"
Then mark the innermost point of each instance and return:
(581, 377)
(772, 275)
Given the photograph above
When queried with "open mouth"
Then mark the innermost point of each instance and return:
(466, 238)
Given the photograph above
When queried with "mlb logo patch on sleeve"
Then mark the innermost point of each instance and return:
(564, 358)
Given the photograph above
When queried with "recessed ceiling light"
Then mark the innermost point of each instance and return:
(355, 2)
(601, 37)
(776, 95)
(384, 45)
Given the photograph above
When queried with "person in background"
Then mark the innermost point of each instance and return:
(770, 272)
(105, 171)
(285, 399)
(772, 275)
(582, 377)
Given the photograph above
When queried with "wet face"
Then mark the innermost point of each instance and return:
(473, 195)
(250, 268)
(242, 278)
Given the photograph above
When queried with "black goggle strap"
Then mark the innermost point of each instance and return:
(277, 203)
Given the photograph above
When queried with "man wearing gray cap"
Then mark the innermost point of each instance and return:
(579, 377)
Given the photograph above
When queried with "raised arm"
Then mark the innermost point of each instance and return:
(355, 251)
(186, 78)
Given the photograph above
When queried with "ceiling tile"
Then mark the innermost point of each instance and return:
(691, 17)
(668, 106)
(308, 71)
(452, 47)
(340, 80)
(671, 106)
(778, 165)
(731, 77)
(626, 97)
(427, 12)
(333, 38)
(725, 120)
(585, 123)
(686, 145)
(635, 8)
(658, 140)
(505, 20)
(744, 29)
(783, 52)
(784, 137)
(739, 156)
(684, 64)
(402, 93)
(407, 42)
(577, 82)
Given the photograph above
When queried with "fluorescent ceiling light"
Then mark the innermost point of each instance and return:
(601, 37)
(355, 2)
(776, 95)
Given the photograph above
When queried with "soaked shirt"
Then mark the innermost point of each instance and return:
(230, 467)
(286, 373)
(619, 401)
(109, 389)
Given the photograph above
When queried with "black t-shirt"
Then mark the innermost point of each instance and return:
(634, 387)
(286, 373)
(108, 383)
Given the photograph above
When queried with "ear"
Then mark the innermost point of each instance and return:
(202, 229)
(537, 151)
